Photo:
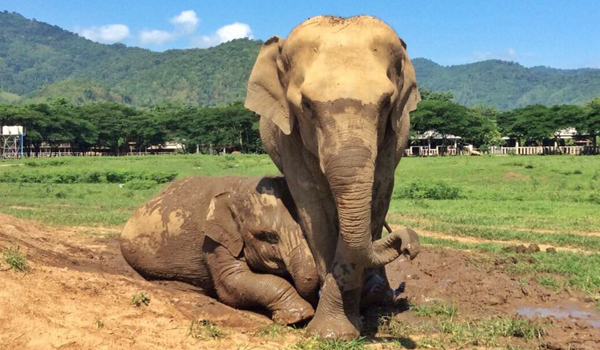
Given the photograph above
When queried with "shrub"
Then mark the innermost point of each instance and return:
(15, 260)
(139, 299)
(96, 176)
(136, 184)
(435, 190)
(202, 329)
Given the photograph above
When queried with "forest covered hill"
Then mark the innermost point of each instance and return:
(39, 61)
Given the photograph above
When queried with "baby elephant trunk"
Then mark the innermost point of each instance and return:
(303, 271)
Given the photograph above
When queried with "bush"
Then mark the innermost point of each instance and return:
(435, 190)
(72, 176)
(15, 260)
(137, 184)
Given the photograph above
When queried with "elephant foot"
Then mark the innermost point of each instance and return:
(377, 291)
(292, 313)
(340, 328)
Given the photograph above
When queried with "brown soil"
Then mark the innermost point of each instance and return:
(77, 282)
(515, 176)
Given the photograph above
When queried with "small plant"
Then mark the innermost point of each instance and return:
(99, 323)
(15, 260)
(202, 329)
(140, 298)
(437, 191)
(272, 331)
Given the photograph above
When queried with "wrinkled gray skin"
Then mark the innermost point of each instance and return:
(233, 237)
(334, 99)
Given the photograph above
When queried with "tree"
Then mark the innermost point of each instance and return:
(534, 123)
(444, 117)
(432, 95)
(591, 123)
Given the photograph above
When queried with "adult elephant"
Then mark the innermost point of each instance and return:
(334, 100)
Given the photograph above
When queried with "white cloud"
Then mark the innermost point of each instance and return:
(156, 36)
(107, 34)
(509, 55)
(224, 34)
(482, 55)
(186, 21)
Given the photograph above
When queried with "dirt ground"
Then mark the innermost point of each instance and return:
(77, 295)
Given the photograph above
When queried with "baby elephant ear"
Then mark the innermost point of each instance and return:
(221, 226)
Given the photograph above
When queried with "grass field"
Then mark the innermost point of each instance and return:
(552, 200)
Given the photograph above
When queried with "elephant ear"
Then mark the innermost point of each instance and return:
(408, 99)
(220, 224)
(266, 94)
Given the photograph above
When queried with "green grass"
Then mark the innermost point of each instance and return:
(273, 331)
(436, 308)
(552, 200)
(484, 197)
(322, 344)
(15, 260)
(440, 329)
(91, 198)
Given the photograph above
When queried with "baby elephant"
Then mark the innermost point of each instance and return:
(235, 238)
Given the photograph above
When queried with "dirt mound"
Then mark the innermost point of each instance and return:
(77, 295)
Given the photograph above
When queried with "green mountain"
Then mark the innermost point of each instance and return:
(40, 61)
(35, 56)
(509, 85)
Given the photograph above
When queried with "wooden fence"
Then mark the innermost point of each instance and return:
(545, 150)
(423, 151)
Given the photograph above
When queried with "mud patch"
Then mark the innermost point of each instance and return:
(511, 175)
(568, 311)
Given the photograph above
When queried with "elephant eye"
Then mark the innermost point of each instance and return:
(266, 236)
(306, 108)
(385, 101)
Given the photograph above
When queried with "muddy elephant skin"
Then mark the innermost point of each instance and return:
(334, 99)
(235, 238)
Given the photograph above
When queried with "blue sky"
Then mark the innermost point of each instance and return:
(561, 34)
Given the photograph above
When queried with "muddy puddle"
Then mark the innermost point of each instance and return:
(565, 311)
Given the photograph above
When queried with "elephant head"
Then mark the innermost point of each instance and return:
(345, 87)
(258, 219)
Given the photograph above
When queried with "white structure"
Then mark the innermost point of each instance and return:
(11, 140)
(12, 130)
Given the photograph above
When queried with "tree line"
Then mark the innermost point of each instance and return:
(116, 128)
(484, 126)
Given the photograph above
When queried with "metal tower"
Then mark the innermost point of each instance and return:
(11, 140)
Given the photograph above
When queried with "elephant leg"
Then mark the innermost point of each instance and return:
(239, 287)
(337, 315)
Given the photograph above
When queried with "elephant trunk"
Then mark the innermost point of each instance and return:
(303, 270)
(350, 175)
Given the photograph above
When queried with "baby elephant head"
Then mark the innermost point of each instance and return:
(258, 220)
